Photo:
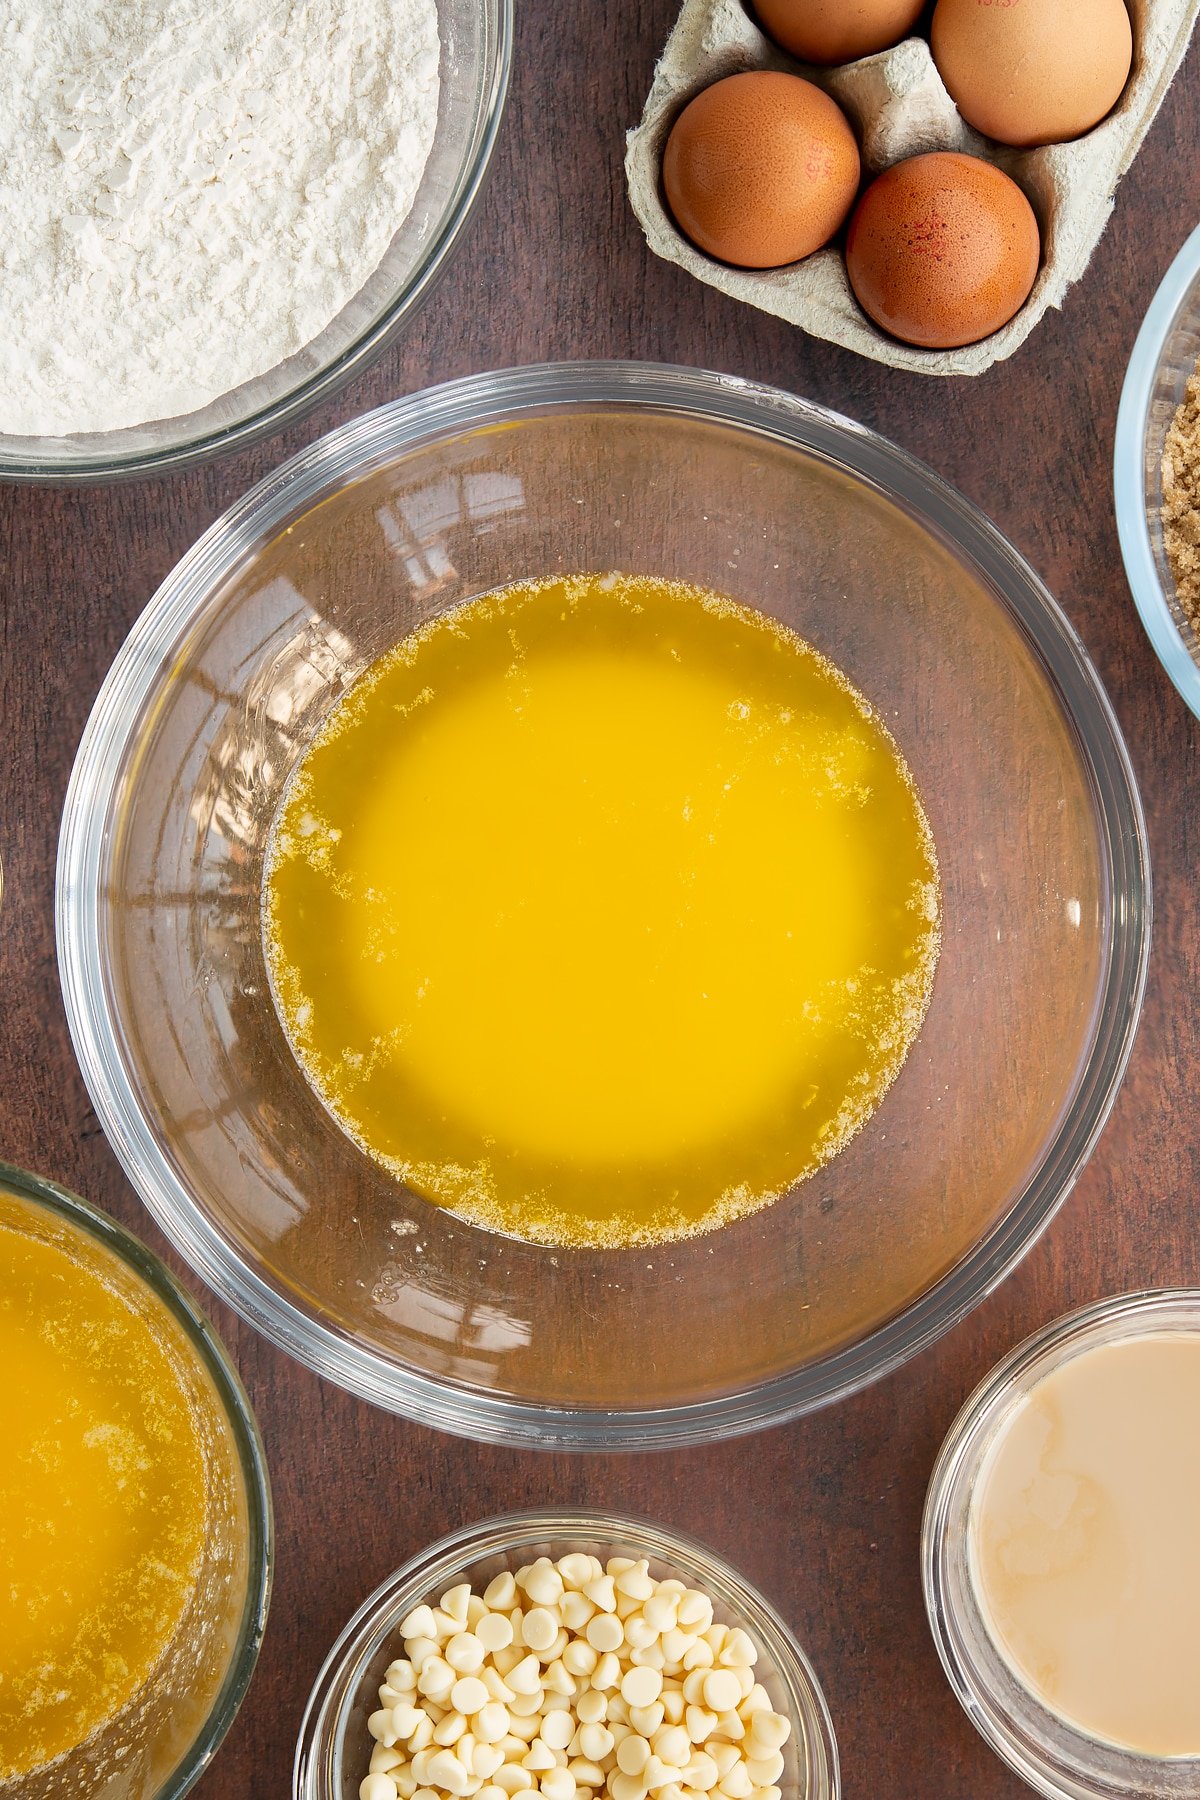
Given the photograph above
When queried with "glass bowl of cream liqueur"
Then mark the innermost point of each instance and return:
(1061, 1552)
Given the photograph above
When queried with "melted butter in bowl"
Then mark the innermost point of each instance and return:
(602, 910)
(134, 1516)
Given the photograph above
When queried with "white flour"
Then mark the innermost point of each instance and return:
(189, 193)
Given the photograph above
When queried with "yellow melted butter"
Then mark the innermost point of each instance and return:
(602, 910)
(102, 1496)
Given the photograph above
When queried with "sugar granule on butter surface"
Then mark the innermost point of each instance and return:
(189, 194)
(574, 1679)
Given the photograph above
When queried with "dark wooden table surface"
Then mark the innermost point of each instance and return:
(823, 1514)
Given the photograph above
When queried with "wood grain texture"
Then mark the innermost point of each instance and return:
(823, 1514)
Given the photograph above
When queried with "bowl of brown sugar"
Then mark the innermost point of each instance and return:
(1157, 472)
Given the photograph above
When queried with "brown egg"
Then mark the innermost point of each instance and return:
(1033, 71)
(837, 31)
(942, 250)
(761, 169)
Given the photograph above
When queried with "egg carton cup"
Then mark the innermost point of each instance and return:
(899, 107)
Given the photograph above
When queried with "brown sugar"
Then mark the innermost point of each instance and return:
(1181, 501)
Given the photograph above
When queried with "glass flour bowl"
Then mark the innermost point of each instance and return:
(334, 1746)
(728, 485)
(476, 41)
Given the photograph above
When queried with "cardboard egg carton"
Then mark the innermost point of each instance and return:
(899, 107)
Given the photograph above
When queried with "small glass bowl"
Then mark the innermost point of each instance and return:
(334, 1746)
(1164, 356)
(476, 56)
(1056, 1759)
(164, 1738)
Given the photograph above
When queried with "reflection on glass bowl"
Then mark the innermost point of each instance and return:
(867, 555)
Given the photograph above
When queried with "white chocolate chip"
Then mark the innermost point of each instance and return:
(672, 1745)
(635, 1582)
(605, 1632)
(418, 1624)
(579, 1658)
(722, 1691)
(468, 1695)
(501, 1593)
(768, 1729)
(491, 1722)
(575, 1569)
(765, 1770)
(513, 1779)
(464, 1652)
(456, 1602)
(647, 1719)
(526, 1678)
(377, 1786)
(574, 1681)
(596, 1742)
(700, 1723)
(641, 1687)
(493, 1631)
(558, 1728)
(661, 1610)
(422, 1733)
(602, 1593)
(575, 1609)
(540, 1628)
(633, 1753)
(446, 1771)
(544, 1584)
(736, 1783)
(673, 1704)
(701, 1772)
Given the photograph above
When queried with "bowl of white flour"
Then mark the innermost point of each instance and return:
(211, 216)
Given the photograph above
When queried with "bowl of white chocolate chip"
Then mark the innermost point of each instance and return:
(575, 1656)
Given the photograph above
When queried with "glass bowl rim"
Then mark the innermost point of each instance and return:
(358, 355)
(252, 1460)
(1036, 1355)
(1129, 492)
(474, 403)
(506, 1532)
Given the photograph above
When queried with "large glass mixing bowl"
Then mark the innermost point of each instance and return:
(476, 54)
(410, 510)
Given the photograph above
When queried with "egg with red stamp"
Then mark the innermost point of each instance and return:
(943, 250)
(760, 169)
